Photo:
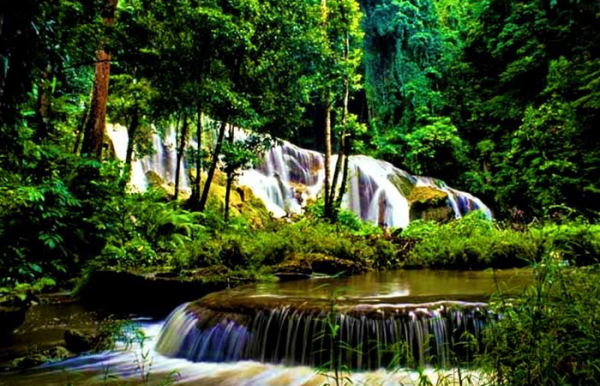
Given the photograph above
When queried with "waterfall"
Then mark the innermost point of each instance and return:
(414, 335)
(289, 177)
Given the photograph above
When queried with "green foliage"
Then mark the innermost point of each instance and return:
(143, 231)
(475, 242)
(23, 291)
(575, 242)
(437, 141)
(548, 334)
(472, 242)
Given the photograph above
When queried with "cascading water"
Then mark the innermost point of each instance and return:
(368, 340)
(275, 333)
(383, 320)
(288, 177)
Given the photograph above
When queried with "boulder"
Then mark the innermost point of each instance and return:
(38, 358)
(12, 313)
(78, 342)
(402, 183)
(334, 266)
(427, 203)
(148, 292)
(154, 179)
(302, 266)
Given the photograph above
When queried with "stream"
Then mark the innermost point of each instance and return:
(269, 333)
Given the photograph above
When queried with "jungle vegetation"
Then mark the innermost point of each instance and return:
(500, 98)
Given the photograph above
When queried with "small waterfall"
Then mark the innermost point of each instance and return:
(289, 177)
(163, 161)
(367, 340)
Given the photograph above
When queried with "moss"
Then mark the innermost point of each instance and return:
(403, 184)
(307, 263)
(428, 195)
(429, 204)
(154, 179)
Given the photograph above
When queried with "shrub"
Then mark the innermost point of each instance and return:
(577, 242)
(472, 242)
(548, 335)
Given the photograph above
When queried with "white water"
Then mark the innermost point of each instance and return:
(130, 366)
(289, 177)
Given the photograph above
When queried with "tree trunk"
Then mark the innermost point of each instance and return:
(44, 104)
(327, 153)
(131, 133)
(327, 128)
(196, 196)
(337, 170)
(343, 151)
(94, 130)
(348, 149)
(213, 167)
(180, 151)
(230, 178)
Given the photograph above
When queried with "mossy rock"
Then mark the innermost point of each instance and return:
(35, 359)
(12, 313)
(427, 203)
(403, 184)
(305, 264)
(154, 179)
(428, 195)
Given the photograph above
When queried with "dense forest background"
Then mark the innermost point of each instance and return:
(500, 98)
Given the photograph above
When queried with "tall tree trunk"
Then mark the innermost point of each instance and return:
(195, 200)
(337, 170)
(327, 153)
(230, 178)
(180, 151)
(94, 130)
(343, 151)
(327, 126)
(85, 116)
(348, 149)
(131, 134)
(44, 104)
(213, 167)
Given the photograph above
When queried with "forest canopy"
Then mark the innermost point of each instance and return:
(500, 98)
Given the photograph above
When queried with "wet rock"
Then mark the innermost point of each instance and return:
(59, 353)
(149, 292)
(427, 203)
(29, 361)
(302, 266)
(404, 184)
(78, 342)
(298, 264)
(12, 313)
(35, 359)
(334, 266)
(154, 179)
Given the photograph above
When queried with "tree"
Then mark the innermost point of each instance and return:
(94, 130)
(343, 53)
(130, 104)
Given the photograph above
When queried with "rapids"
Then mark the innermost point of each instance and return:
(288, 177)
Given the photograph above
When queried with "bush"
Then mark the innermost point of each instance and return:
(577, 242)
(472, 242)
(549, 334)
